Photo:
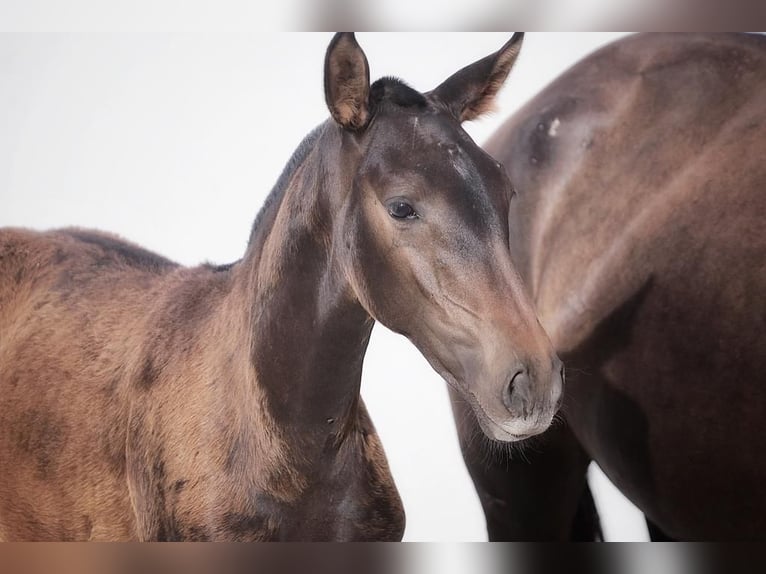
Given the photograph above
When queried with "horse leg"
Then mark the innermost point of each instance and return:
(534, 491)
(586, 526)
(656, 534)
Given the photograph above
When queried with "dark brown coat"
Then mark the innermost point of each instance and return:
(638, 225)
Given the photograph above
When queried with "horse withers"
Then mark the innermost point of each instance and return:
(638, 226)
(140, 399)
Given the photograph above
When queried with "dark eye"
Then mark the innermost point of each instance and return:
(401, 210)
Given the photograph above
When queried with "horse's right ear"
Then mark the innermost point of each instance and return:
(347, 82)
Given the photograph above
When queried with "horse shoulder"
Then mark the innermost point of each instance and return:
(602, 191)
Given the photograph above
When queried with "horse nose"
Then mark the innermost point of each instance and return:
(559, 378)
(518, 392)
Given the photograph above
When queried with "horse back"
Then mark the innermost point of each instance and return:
(68, 260)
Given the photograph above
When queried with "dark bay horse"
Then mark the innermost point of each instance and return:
(140, 399)
(639, 227)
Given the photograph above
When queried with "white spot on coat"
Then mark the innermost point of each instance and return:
(553, 130)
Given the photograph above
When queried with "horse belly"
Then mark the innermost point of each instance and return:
(668, 399)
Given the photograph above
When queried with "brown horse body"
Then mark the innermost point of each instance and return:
(142, 399)
(638, 226)
(132, 405)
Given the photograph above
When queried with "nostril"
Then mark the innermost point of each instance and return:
(557, 368)
(516, 380)
(560, 387)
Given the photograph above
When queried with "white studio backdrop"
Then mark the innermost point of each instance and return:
(174, 142)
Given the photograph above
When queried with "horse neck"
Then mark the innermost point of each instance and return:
(309, 333)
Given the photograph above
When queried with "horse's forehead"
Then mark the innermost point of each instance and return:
(457, 157)
(430, 141)
(434, 158)
(440, 129)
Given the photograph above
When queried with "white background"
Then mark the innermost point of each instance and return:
(175, 141)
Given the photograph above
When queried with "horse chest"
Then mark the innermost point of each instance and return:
(348, 496)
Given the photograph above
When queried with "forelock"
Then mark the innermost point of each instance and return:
(395, 91)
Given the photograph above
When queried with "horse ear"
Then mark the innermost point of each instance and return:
(347, 82)
(470, 92)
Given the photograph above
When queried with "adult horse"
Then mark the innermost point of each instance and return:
(638, 227)
(140, 399)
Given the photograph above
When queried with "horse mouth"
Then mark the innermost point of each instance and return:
(494, 431)
(490, 427)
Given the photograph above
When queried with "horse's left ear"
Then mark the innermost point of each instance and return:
(470, 92)
(347, 82)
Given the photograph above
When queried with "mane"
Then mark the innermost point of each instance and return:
(395, 91)
(278, 191)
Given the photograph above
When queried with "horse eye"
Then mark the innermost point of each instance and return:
(401, 210)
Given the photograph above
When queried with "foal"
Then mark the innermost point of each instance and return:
(145, 400)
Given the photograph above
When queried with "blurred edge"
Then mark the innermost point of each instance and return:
(535, 15)
(474, 558)
(426, 15)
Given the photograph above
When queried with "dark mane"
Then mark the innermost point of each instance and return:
(395, 91)
(275, 196)
(116, 251)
